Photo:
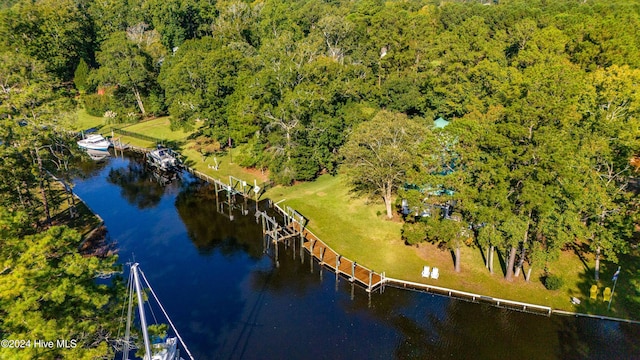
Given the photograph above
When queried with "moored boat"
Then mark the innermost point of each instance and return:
(164, 159)
(94, 142)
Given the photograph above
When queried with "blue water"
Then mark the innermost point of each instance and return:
(230, 301)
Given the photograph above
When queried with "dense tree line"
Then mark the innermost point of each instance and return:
(543, 98)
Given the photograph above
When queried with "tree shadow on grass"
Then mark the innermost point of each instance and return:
(188, 163)
(580, 250)
(481, 250)
(502, 261)
(587, 304)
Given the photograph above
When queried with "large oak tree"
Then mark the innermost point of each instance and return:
(380, 153)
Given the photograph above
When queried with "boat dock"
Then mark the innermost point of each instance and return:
(294, 230)
(341, 265)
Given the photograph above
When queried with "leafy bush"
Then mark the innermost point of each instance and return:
(553, 282)
(97, 104)
(414, 233)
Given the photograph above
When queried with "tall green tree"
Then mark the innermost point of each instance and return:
(48, 291)
(180, 20)
(80, 76)
(610, 138)
(124, 64)
(35, 112)
(380, 153)
(58, 33)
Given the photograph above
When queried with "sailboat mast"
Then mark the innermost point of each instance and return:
(143, 320)
(127, 334)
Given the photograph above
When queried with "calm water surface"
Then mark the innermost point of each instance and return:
(230, 301)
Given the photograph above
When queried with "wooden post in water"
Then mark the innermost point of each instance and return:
(275, 245)
(265, 244)
(217, 199)
(293, 247)
(301, 249)
(301, 241)
(353, 271)
(338, 263)
(353, 289)
(370, 280)
(322, 255)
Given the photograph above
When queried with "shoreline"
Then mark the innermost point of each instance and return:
(372, 259)
(427, 288)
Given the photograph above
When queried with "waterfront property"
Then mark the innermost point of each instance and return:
(294, 229)
(240, 302)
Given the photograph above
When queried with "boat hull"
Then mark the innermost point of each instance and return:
(94, 142)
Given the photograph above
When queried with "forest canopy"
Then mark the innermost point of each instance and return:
(290, 78)
(543, 99)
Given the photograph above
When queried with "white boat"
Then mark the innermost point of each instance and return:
(94, 142)
(164, 159)
(160, 349)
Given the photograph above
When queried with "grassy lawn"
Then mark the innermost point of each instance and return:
(226, 168)
(350, 225)
(86, 121)
(157, 128)
(353, 227)
(357, 229)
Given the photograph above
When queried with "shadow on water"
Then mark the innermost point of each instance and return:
(138, 185)
(209, 226)
(86, 168)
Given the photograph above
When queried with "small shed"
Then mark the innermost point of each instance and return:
(440, 123)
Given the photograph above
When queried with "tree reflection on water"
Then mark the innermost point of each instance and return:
(137, 185)
(210, 229)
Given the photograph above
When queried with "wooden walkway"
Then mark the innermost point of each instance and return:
(328, 257)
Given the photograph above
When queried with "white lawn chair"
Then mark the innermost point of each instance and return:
(435, 273)
(426, 271)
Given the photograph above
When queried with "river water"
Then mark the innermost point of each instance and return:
(230, 301)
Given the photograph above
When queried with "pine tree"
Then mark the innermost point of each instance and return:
(80, 76)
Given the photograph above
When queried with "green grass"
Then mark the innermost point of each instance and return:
(350, 225)
(226, 168)
(86, 121)
(353, 228)
(158, 128)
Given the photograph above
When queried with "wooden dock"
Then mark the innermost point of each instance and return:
(341, 265)
(294, 230)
